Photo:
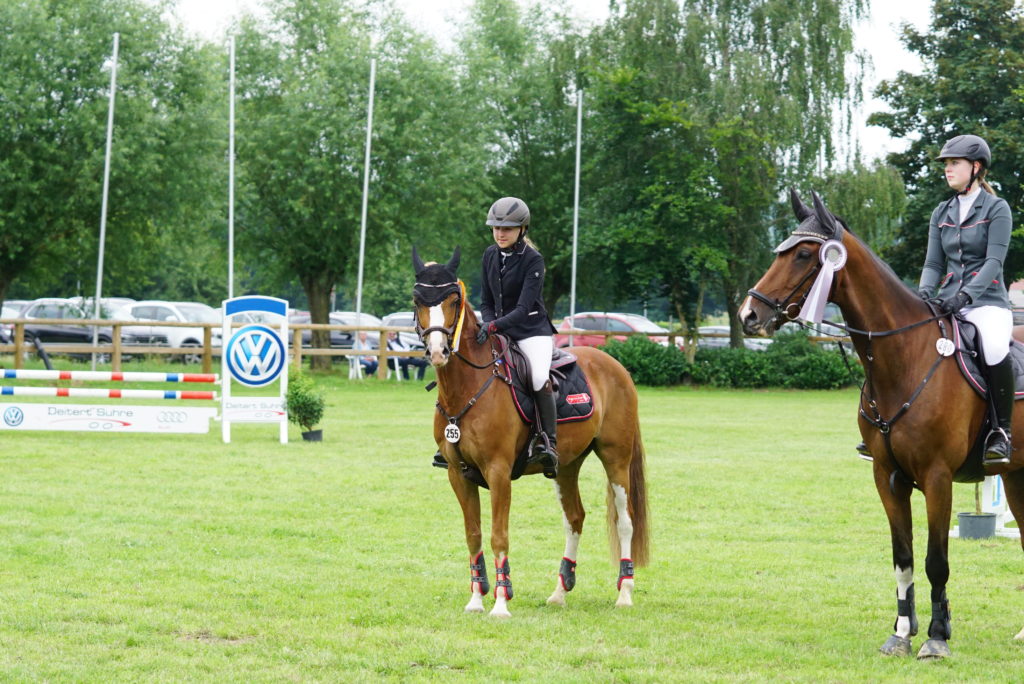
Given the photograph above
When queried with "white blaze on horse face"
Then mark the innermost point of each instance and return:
(745, 310)
(904, 580)
(436, 341)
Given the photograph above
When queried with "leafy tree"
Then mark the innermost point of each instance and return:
(54, 91)
(303, 83)
(871, 199)
(973, 57)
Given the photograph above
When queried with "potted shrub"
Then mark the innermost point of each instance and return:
(977, 525)
(305, 405)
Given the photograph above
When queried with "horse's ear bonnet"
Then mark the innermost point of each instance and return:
(435, 282)
(817, 225)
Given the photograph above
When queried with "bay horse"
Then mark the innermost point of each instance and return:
(476, 411)
(918, 416)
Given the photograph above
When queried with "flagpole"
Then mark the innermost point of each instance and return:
(366, 192)
(576, 208)
(231, 173)
(103, 203)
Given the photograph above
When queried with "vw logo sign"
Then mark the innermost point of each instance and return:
(13, 416)
(255, 355)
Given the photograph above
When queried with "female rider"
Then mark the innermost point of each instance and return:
(968, 237)
(511, 289)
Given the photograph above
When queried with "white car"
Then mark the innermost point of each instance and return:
(178, 312)
(410, 339)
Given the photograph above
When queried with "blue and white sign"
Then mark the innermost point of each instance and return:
(255, 355)
(13, 416)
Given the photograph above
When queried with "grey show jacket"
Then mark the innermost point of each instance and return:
(969, 256)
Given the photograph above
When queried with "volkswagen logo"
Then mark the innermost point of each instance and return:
(255, 355)
(13, 416)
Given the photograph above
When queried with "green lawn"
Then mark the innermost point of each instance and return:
(179, 558)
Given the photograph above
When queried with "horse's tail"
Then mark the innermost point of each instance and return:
(640, 546)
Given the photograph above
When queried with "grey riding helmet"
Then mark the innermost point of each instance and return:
(509, 211)
(969, 147)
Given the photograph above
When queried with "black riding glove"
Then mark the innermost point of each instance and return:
(925, 295)
(485, 330)
(956, 302)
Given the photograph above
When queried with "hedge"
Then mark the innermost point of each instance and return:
(792, 360)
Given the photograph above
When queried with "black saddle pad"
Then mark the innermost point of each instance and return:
(573, 398)
(965, 335)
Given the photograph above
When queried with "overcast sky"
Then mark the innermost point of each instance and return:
(878, 35)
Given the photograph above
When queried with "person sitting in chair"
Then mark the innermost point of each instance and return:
(369, 363)
(395, 343)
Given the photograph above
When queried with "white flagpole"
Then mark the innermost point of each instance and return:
(366, 192)
(231, 174)
(103, 204)
(576, 208)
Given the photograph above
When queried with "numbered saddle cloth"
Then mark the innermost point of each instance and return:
(574, 400)
(965, 336)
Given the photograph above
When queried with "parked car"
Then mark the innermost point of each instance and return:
(340, 339)
(64, 333)
(7, 329)
(179, 312)
(410, 339)
(611, 322)
(109, 306)
(720, 338)
(17, 304)
(352, 318)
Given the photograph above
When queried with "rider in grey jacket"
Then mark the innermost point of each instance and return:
(968, 237)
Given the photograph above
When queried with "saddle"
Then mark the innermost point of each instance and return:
(965, 337)
(573, 399)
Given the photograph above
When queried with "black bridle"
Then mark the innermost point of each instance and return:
(782, 308)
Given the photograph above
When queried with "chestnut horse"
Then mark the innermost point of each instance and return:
(476, 411)
(918, 416)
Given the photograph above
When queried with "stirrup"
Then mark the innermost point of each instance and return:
(439, 461)
(998, 447)
(863, 452)
(543, 452)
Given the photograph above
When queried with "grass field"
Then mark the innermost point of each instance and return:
(179, 558)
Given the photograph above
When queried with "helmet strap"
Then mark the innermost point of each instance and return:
(970, 183)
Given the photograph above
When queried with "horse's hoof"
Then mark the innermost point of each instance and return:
(557, 599)
(476, 604)
(502, 613)
(933, 649)
(470, 608)
(1020, 635)
(896, 646)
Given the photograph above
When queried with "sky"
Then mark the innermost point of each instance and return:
(878, 35)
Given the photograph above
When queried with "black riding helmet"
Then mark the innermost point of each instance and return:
(969, 147)
(510, 211)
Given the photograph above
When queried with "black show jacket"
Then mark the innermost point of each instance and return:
(512, 298)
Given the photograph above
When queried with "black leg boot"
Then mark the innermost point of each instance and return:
(439, 461)
(998, 447)
(544, 451)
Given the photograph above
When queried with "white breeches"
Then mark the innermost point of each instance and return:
(538, 350)
(995, 330)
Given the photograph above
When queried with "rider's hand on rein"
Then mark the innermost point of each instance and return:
(956, 302)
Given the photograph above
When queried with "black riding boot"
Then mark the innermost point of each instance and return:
(439, 461)
(544, 450)
(998, 446)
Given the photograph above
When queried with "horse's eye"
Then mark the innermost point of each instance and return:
(803, 254)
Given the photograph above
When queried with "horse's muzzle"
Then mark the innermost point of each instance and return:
(756, 318)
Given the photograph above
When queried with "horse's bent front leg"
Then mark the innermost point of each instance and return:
(897, 509)
(568, 493)
(938, 496)
(468, 495)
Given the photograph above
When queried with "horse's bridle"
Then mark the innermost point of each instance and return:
(451, 333)
(784, 307)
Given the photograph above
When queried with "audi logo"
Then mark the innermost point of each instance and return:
(176, 417)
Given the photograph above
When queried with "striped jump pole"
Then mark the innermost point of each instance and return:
(105, 376)
(103, 393)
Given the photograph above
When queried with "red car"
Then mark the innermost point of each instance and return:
(610, 322)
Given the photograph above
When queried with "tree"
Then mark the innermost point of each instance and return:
(973, 57)
(53, 109)
(871, 199)
(302, 125)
